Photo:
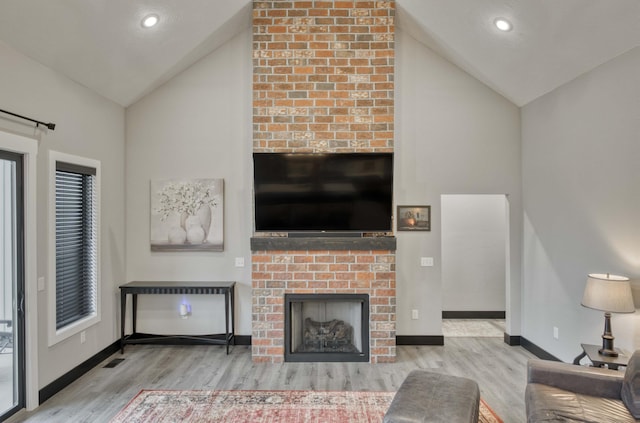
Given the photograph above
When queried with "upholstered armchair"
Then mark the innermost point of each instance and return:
(565, 392)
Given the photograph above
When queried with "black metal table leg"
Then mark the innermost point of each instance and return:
(233, 317)
(226, 319)
(582, 355)
(134, 312)
(123, 313)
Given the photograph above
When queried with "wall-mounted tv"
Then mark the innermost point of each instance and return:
(323, 192)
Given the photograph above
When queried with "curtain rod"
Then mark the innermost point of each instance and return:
(49, 125)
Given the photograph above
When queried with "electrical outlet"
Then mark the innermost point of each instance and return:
(556, 333)
(239, 261)
(83, 337)
(414, 314)
(426, 261)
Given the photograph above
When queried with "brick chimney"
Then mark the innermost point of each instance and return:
(323, 81)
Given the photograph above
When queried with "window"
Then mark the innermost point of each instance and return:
(76, 226)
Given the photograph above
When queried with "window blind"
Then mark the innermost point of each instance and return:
(76, 249)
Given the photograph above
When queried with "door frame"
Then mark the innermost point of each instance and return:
(17, 283)
(510, 309)
(28, 148)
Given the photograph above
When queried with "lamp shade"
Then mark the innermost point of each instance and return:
(609, 293)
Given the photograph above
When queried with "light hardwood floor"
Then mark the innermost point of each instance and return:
(97, 396)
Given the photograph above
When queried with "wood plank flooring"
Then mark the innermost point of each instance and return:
(96, 397)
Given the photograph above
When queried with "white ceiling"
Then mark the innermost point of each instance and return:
(101, 44)
(552, 41)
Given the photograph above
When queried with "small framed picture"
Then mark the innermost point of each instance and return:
(414, 218)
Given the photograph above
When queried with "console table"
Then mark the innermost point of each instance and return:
(149, 287)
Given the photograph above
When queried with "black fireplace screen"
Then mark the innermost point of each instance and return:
(326, 327)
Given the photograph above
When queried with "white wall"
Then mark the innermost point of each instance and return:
(581, 203)
(454, 135)
(473, 252)
(90, 126)
(197, 125)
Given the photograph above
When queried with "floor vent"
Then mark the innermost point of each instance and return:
(113, 363)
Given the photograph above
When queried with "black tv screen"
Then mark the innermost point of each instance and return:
(330, 192)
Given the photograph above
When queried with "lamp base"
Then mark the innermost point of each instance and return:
(608, 353)
(607, 349)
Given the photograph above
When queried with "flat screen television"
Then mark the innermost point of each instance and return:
(323, 192)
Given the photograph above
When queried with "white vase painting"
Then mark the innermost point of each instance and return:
(187, 215)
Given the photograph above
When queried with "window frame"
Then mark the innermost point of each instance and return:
(57, 335)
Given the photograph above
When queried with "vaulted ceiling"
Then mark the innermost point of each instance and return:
(102, 45)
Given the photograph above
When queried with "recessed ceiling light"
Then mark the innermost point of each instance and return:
(502, 24)
(150, 20)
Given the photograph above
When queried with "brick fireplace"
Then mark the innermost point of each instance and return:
(322, 82)
(300, 271)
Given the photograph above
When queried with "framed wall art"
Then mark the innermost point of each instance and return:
(187, 215)
(413, 218)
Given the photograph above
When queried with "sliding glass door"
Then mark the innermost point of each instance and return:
(12, 372)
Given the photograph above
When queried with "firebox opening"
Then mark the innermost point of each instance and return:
(327, 327)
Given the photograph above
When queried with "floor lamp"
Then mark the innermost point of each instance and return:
(611, 294)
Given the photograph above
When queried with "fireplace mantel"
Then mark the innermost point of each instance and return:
(323, 243)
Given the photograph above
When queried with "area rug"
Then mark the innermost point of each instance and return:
(263, 407)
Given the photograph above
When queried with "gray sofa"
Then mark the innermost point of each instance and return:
(561, 392)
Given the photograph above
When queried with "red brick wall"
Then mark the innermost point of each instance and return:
(322, 82)
(322, 272)
(323, 75)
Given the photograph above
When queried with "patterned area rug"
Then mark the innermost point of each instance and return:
(263, 407)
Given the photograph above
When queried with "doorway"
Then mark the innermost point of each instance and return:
(12, 356)
(474, 264)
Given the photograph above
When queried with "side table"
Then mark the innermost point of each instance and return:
(598, 360)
